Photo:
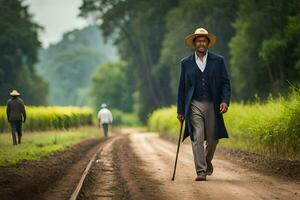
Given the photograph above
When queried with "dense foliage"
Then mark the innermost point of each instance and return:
(19, 45)
(111, 85)
(258, 39)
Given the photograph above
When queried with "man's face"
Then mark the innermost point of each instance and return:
(201, 44)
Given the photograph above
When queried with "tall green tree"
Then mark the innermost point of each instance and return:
(111, 85)
(138, 28)
(265, 50)
(18, 54)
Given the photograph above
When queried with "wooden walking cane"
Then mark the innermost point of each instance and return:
(181, 125)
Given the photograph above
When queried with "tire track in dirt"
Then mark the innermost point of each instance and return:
(118, 174)
(102, 180)
(63, 188)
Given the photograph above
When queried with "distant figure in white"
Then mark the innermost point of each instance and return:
(105, 118)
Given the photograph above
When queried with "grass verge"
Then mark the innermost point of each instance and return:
(38, 144)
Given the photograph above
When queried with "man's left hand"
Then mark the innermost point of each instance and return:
(223, 107)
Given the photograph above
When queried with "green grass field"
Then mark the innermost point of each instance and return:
(38, 144)
(45, 118)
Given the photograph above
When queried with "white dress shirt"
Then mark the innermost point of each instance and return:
(105, 116)
(201, 64)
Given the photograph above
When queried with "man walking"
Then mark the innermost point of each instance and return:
(105, 118)
(15, 110)
(203, 96)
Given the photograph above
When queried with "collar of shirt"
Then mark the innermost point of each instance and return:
(201, 64)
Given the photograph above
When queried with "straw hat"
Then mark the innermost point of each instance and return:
(14, 93)
(189, 40)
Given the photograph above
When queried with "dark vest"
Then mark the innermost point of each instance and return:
(202, 88)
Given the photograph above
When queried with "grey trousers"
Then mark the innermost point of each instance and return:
(203, 123)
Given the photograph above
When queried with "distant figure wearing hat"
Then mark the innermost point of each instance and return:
(15, 110)
(203, 96)
(105, 118)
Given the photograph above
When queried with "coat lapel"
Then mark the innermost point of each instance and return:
(192, 70)
(209, 65)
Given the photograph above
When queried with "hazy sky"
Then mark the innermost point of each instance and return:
(56, 16)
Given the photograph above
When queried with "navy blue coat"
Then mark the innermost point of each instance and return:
(219, 85)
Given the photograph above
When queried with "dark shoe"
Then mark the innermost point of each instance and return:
(210, 168)
(201, 176)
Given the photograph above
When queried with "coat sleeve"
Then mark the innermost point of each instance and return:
(98, 115)
(8, 110)
(23, 111)
(22, 108)
(225, 84)
(110, 117)
(181, 91)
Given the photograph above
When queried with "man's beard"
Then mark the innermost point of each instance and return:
(202, 50)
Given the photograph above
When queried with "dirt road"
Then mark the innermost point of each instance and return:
(134, 165)
(140, 166)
